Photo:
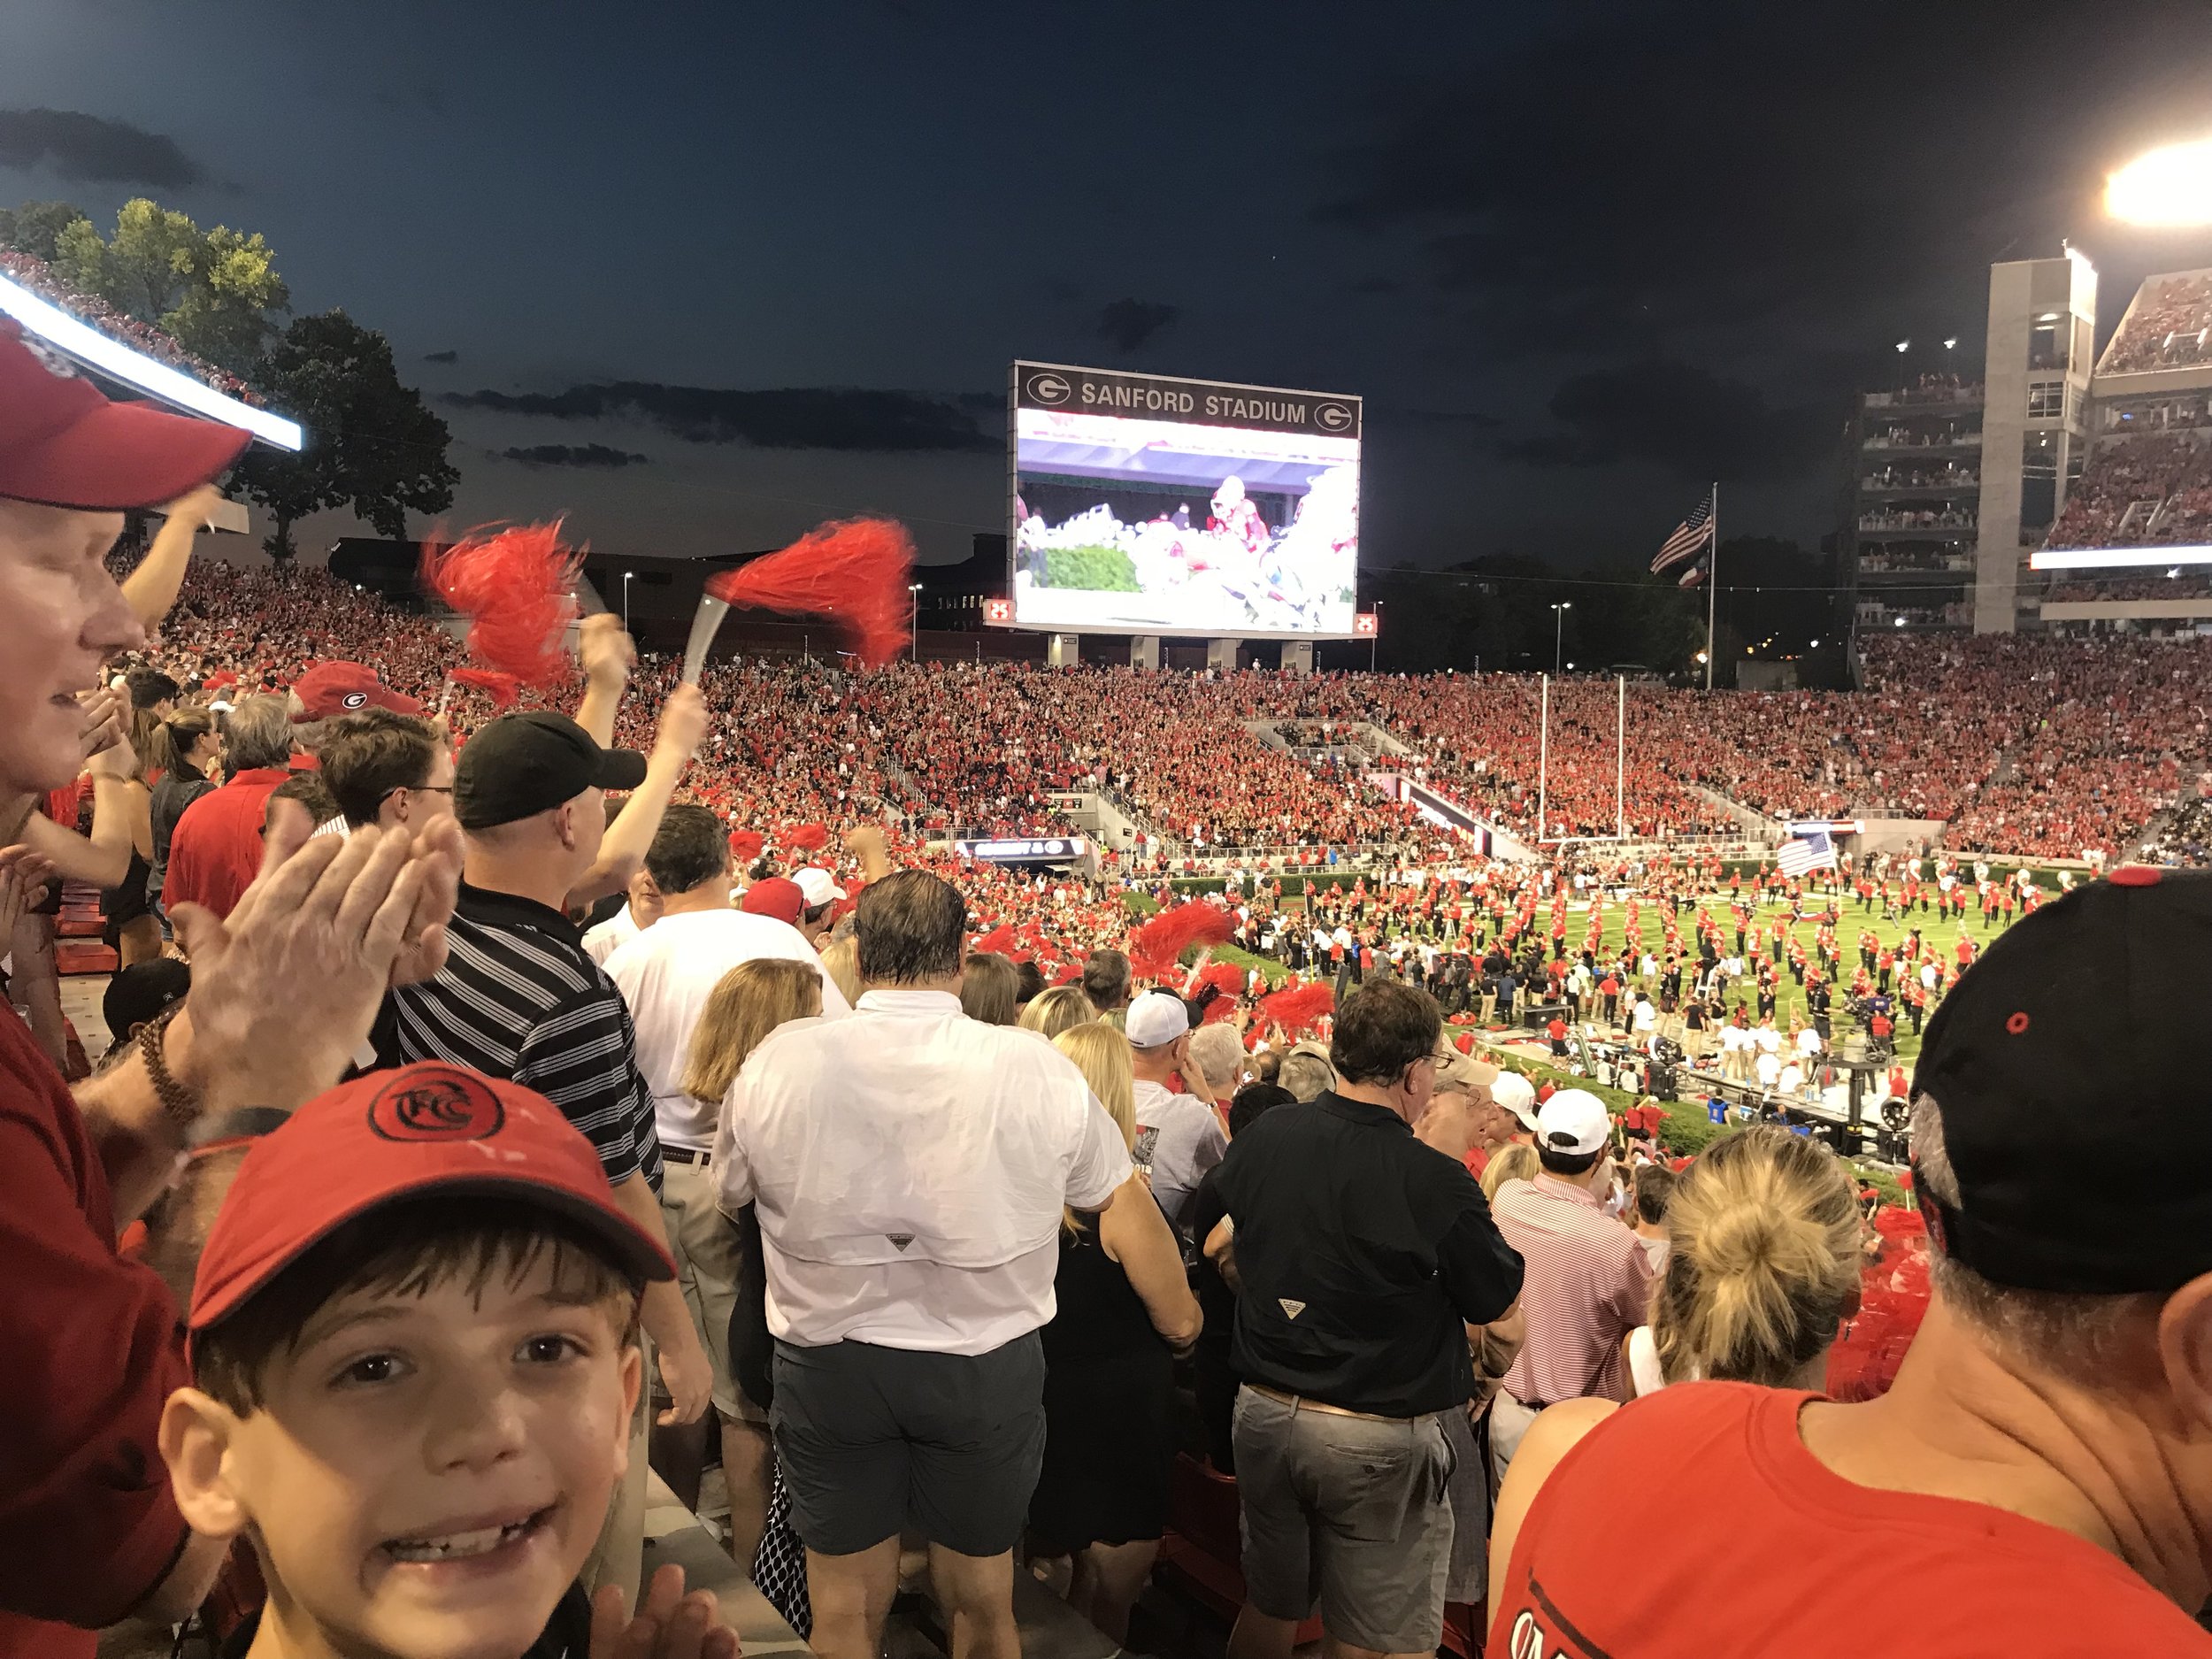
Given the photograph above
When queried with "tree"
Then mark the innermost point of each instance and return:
(371, 445)
(213, 291)
(35, 227)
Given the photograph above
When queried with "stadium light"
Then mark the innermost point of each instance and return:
(148, 375)
(1900, 622)
(2117, 557)
(2169, 186)
(1903, 345)
(1951, 344)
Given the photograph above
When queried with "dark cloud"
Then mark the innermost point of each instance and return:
(793, 418)
(440, 357)
(597, 454)
(1681, 418)
(95, 150)
(1127, 324)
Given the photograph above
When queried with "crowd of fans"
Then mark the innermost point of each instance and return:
(2028, 745)
(2167, 327)
(32, 273)
(2166, 474)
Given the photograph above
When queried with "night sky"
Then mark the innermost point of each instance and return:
(705, 274)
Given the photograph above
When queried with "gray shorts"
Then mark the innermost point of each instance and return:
(876, 1439)
(1350, 1514)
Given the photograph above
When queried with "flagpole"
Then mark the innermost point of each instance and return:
(1712, 583)
(1620, 760)
(1543, 757)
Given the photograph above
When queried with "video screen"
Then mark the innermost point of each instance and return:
(1143, 505)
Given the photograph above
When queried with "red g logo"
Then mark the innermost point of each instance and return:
(436, 1105)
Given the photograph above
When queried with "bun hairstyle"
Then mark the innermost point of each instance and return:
(1764, 1264)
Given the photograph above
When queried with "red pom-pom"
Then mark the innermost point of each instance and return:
(746, 845)
(1162, 940)
(808, 837)
(1223, 976)
(517, 589)
(1221, 1008)
(503, 690)
(998, 943)
(855, 572)
(1296, 1010)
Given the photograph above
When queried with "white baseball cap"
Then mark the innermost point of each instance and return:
(1156, 1019)
(1518, 1096)
(815, 883)
(1573, 1121)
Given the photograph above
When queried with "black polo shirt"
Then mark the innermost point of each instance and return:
(1364, 1253)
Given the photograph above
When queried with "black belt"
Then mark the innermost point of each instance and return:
(684, 1155)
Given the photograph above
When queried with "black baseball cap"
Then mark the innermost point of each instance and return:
(143, 992)
(2066, 1070)
(522, 765)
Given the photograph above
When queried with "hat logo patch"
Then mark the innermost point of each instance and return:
(355, 700)
(2017, 1023)
(440, 1106)
(53, 361)
(1291, 1310)
(900, 1238)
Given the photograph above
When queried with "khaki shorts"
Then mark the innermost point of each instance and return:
(709, 1262)
(1353, 1514)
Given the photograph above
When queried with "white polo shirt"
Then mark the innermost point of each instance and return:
(666, 975)
(603, 941)
(910, 1165)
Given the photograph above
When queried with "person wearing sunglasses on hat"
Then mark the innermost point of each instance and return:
(284, 990)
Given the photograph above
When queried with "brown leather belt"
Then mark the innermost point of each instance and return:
(1299, 1402)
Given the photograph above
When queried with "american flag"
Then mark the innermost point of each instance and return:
(1807, 850)
(1690, 537)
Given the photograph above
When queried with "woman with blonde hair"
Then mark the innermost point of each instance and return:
(724, 1278)
(1063, 1007)
(840, 960)
(1763, 1267)
(1516, 1160)
(1124, 1308)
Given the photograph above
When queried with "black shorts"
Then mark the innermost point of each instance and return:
(875, 1439)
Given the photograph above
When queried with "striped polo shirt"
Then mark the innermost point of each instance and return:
(519, 998)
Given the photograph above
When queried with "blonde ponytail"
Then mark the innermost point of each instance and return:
(1765, 1261)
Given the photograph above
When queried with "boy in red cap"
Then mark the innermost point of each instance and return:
(413, 1350)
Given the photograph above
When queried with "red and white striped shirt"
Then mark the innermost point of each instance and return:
(1587, 1286)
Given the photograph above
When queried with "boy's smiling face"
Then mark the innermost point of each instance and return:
(426, 1472)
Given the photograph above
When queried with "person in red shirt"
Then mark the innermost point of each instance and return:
(2037, 1480)
(89, 1532)
(216, 847)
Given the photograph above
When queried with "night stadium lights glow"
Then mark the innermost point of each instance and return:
(2107, 558)
(112, 357)
(2169, 186)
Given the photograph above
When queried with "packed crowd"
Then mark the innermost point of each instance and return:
(2043, 747)
(31, 273)
(2167, 327)
(2166, 474)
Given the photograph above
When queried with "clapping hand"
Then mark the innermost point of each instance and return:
(669, 1626)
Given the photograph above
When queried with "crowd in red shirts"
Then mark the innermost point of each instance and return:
(2168, 326)
(2030, 745)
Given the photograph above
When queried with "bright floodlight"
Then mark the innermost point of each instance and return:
(2169, 186)
(88, 344)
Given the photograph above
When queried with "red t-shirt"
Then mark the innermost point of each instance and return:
(215, 850)
(89, 1352)
(1954, 1577)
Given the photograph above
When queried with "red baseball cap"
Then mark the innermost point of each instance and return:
(332, 688)
(427, 1127)
(774, 896)
(64, 444)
